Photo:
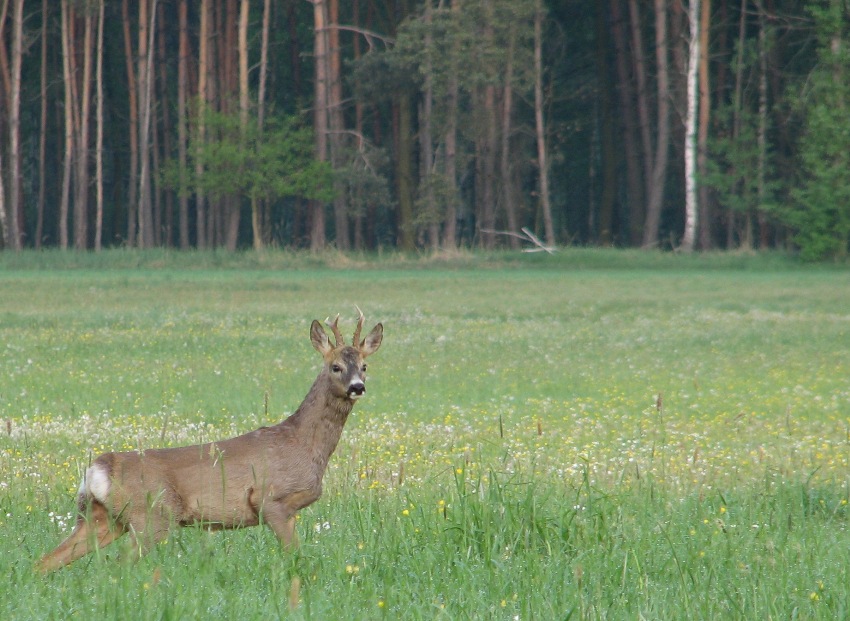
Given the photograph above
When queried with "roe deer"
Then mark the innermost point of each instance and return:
(266, 475)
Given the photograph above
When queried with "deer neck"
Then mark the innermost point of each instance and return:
(319, 420)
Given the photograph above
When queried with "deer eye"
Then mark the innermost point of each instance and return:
(363, 369)
(336, 368)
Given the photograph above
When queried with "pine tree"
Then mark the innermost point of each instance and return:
(821, 215)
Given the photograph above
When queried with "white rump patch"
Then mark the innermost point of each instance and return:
(95, 483)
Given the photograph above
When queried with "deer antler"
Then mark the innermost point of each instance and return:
(359, 327)
(335, 327)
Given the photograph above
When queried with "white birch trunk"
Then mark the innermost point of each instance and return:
(691, 206)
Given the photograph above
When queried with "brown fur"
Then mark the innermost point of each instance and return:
(265, 475)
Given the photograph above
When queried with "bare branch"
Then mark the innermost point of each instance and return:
(527, 236)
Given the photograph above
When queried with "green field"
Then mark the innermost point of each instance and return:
(596, 435)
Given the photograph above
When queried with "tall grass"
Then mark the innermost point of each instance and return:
(582, 437)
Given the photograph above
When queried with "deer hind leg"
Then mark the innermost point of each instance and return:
(148, 527)
(93, 530)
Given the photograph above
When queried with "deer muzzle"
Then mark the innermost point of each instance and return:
(356, 389)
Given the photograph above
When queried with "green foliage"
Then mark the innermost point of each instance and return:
(821, 213)
(734, 166)
(471, 46)
(359, 175)
(276, 163)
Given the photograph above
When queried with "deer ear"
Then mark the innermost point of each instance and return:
(372, 342)
(319, 338)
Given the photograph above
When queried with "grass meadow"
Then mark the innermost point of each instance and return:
(596, 435)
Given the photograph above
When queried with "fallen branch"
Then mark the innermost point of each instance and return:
(526, 236)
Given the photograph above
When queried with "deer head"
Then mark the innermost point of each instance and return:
(345, 364)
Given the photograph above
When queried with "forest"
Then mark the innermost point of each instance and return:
(367, 124)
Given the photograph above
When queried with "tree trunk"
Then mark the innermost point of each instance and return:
(7, 88)
(508, 194)
(487, 143)
(320, 48)
(164, 232)
(6, 94)
(244, 108)
(216, 101)
(158, 218)
(15, 211)
(737, 112)
(147, 22)
(404, 172)
(704, 229)
(182, 118)
(761, 137)
(133, 126)
(81, 206)
(98, 153)
(635, 201)
(42, 136)
(607, 121)
(258, 204)
(659, 166)
(203, 98)
(336, 122)
(232, 203)
(450, 139)
(486, 154)
(691, 204)
(642, 99)
(64, 203)
(542, 164)
(359, 241)
(4, 223)
(426, 141)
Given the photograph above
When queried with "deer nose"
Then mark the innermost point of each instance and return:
(356, 389)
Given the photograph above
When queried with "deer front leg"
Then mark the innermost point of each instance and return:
(282, 522)
(91, 532)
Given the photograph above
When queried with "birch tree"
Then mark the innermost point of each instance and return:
(691, 205)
